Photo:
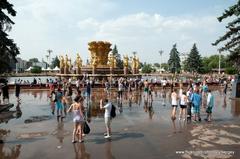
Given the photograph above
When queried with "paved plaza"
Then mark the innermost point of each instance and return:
(139, 130)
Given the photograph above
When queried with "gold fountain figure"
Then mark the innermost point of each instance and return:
(78, 61)
(125, 61)
(61, 59)
(99, 51)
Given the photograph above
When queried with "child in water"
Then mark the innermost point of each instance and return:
(210, 104)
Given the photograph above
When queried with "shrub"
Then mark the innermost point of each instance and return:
(231, 70)
(36, 69)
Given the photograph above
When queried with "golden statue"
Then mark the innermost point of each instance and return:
(112, 61)
(61, 59)
(137, 63)
(78, 61)
(69, 63)
(134, 62)
(66, 61)
(125, 61)
(94, 61)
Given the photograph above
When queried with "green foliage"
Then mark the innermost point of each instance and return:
(156, 65)
(174, 60)
(147, 68)
(232, 36)
(206, 69)
(8, 49)
(140, 64)
(234, 58)
(165, 66)
(231, 70)
(33, 60)
(212, 62)
(55, 62)
(194, 61)
(36, 69)
(118, 57)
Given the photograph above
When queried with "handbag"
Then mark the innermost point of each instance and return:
(86, 128)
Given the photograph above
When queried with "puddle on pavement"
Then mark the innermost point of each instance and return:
(35, 108)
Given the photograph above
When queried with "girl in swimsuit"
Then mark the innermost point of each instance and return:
(78, 118)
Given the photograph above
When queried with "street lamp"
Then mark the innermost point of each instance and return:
(160, 52)
(219, 63)
(49, 55)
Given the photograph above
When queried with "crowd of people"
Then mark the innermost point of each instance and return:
(191, 100)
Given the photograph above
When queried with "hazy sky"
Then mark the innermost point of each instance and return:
(144, 26)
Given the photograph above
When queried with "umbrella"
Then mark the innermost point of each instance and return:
(56, 69)
(48, 69)
(29, 69)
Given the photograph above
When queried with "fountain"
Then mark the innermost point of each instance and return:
(102, 63)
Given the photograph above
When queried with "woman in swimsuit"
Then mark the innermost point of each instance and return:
(78, 118)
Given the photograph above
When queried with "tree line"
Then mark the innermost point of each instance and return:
(193, 63)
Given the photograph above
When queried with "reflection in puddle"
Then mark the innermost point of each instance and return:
(60, 132)
(80, 151)
(235, 107)
(12, 152)
(201, 136)
(108, 150)
(8, 115)
(8, 151)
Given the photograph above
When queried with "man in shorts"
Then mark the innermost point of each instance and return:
(107, 116)
(210, 104)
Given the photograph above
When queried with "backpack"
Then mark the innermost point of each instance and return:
(113, 111)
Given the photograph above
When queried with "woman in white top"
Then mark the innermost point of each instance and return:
(78, 118)
(183, 105)
(174, 98)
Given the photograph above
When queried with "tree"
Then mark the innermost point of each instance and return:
(8, 49)
(174, 60)
(33, 60)
(36, 69)
(118, 57)
(212, 62)
(165, 66)
(232, 36)
(194, 60)
(55, 62)
(147, 68)
(156, 65)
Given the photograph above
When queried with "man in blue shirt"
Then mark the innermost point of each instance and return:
(196, 103)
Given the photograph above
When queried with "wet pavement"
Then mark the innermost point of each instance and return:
(140, 130)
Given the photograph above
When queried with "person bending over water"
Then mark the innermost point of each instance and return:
(78, 118)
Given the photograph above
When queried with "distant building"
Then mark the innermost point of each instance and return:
(21, 65)
(183, 57)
